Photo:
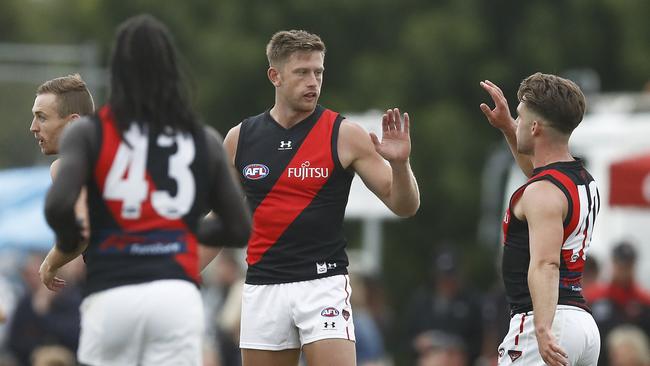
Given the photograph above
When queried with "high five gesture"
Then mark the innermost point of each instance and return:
(395, 144)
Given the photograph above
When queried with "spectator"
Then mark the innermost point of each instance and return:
(369, 340)
(437, 348)
(622, 300)
(590, 275)
(447, 306)
(496, 320)
(7, 359)
(44, 317)
(222, 285)
(53, 356)
(377, 305)
(628, 346)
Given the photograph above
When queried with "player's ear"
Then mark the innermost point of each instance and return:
(536, 127)
(274, 76)
(72, 117)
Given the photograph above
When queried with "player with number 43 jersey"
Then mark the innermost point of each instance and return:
(152, 173)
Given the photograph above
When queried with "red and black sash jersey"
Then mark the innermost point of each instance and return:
(583, 205)
(145, 199)
(297, 190)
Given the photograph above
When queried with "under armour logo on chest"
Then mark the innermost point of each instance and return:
(285, 145)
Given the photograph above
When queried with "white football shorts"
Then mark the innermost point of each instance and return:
(574, 329)
(290, 315)
(153, 323)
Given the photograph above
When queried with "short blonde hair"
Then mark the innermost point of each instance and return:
(72, 95)
(284, 43)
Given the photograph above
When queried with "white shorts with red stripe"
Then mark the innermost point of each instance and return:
(574, 329)
(290, 315)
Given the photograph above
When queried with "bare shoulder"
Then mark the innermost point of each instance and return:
(231, 140)
(353, 142)
(543, 196)
(54, 168)
(350, 129)
(353, 136)
(233, 134)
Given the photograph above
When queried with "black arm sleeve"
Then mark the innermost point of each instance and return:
(74, 169)
(232, 224)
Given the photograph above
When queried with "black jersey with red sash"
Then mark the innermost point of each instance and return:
(145, 199)
(583, 205)
(297, 190)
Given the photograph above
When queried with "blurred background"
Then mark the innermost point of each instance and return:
(428, 291)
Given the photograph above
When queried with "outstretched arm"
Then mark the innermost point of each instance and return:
(543, 206)
(393, 182)
(500, 118)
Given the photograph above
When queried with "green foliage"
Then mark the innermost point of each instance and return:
(426, 57)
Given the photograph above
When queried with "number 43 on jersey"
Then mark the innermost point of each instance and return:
(127, 178)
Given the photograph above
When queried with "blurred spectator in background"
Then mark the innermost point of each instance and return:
(628, 346)
(622, 300)
(496, 321)
(44, 317)
(7, 360)
(446, 306)
(9, 294)
(435, 348)
(590, 275)
(221, 291)
(53, 356)
(377, 305)
(8, 301)
(369, 340)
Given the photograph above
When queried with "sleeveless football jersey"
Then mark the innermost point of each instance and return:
(583, 206)
(297, 191)
(145, 199)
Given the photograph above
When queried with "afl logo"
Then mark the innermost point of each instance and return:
(329, 312)
(256, 171)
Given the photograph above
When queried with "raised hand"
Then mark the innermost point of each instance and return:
(498, 117)
(395, 144)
